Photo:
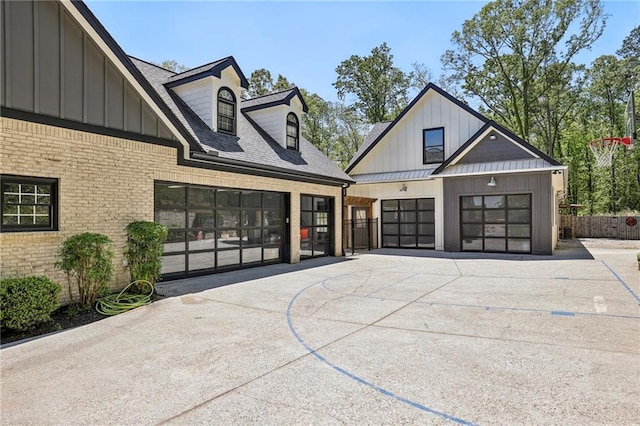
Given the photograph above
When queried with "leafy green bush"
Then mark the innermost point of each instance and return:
(87, 258)
(145, 245)
(26, 302)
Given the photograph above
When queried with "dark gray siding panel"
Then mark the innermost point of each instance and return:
(48, 66)
(94, 83)
(536, 184)
(20, 45)
(500, 149)
(149, 121)
(73, 70)
(115, 98)
(133, 108)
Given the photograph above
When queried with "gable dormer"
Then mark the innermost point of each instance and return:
(212, 91)
(280, 115)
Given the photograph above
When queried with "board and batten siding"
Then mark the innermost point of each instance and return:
(50, 66)
(401, 148)
(542, 205)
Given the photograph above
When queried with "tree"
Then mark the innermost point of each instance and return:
(173, 65)
(380, 89)
(260, 83)
(420, 76)
(504, 51)
(631, 45)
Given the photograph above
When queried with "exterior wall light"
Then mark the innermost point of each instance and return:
(492, 137)
(403, 188)
(492, 182)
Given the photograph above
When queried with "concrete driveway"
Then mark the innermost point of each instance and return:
(388, 337)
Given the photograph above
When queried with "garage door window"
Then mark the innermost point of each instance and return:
(408, 223)
(496, 223)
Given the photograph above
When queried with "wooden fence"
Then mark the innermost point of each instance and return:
(616, 227)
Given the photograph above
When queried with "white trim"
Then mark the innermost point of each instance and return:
(80, 19)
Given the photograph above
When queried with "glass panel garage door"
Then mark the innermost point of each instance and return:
(316, 226)
(216, 229)
(409, 223)
(496, 223)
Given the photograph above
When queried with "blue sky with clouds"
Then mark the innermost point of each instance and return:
(305, 41)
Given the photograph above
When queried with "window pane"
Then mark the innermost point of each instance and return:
(10, 210)
(202, 240)
(472, 231)
(494, 230)
(252, 199)
(408, 229)
(228, 258)
(494, 244)
(252, 237)
(426, 241)
(173, 264)
(271, 200)
(433, 145)
(202, 219)
(10, 220)
(494, 202)
(519, 216)
(228, 218)
(407, 204)
(522, 231)
(390, 241)
(203, 198)
(274, 235)
(225, 94)
(389, 205)
(494, 216)
(408, 241)
(427, 216)
(228, 239)
(202, 261)
(471, 202)
(408, 217)
(390, 229)
(389, 217)
(27, 199)
(272, 218)
(251, 218)
(42, 220)
(271, 253)
(252, 255)
(306, 202)
(226, 198)
(306, 219)
(321, 219)
(225, 109)
(426, 229)
(171, 218)
(473, 244)
(170, 195)
(523, 246)
(426, 204)
(321, 204)
(175, 242)
(518, 200)
(434, 155)
(472, 216)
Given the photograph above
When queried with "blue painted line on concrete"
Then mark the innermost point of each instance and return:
(635, 296)
(563, 313)
(358, 379)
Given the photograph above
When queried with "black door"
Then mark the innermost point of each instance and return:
(409, 223)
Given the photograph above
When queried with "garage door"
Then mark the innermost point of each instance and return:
(496, 223)
(408, 223)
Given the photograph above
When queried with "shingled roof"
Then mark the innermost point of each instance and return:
(253, 146)
(273, 99)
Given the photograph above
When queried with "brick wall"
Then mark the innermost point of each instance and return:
(106, 183)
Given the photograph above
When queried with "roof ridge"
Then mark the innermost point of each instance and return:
(203, 65)
(271, 94)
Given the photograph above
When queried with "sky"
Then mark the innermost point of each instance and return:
(306, 40)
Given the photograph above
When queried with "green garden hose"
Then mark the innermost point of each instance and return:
(116, 304)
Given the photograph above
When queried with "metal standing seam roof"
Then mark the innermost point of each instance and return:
(253, 146)
(393, 176)
(497, 167)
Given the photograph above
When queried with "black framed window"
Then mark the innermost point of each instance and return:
(433, 144)
(293, 131)
(226, 111)
(316, 226)
(28, 204)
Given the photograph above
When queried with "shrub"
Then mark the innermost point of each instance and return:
(87, 259)
(145, 245)
(26, 302)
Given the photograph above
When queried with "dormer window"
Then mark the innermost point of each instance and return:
(293, 130)
(226, 111)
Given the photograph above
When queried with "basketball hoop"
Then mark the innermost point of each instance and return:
(603, 149)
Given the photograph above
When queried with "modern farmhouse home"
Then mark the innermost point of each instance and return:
(442, 176)
(93, 139)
